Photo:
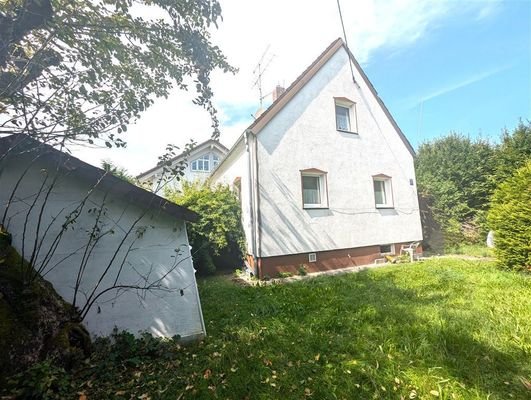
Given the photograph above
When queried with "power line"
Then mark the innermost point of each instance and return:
(346, 41)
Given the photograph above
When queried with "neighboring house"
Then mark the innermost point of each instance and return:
(325, 176)
(74, 221)
(200, 161)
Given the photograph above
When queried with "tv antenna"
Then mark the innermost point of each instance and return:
(259, 71)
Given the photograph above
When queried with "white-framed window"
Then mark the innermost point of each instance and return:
(205, 163)
(383, 193)
(202, 163)
(312, 257)
(387, 249)
(346, 119)
(215, 160)
(314, 190)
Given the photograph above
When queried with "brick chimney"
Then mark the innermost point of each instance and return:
(277, 92)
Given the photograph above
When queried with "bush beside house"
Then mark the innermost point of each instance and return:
(217, 240)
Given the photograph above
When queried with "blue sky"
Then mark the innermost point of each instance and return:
(467, 74)
(467, 62)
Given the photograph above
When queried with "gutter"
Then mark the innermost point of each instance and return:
(258, 214)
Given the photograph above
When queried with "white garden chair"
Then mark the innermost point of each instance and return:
(410, 249)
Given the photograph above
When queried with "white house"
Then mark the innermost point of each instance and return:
(198, 163)
(116, 251)
(325, 175)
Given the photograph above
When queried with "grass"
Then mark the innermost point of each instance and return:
(441, 329)
(473, 250)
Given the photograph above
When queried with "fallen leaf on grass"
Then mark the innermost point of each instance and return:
(526, 383)
(434, 393)
(82, 396)
(207, 374)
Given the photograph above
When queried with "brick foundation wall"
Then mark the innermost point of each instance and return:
(326, 260)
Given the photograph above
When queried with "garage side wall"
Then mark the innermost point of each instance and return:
(143, 253)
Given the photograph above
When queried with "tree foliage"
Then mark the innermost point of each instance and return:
(457, 177)
(116, 170)
(510, 218)
(514, 151)
(456, 173)
(83, 70)
(217, 239)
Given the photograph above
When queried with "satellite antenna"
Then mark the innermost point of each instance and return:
(259, 71)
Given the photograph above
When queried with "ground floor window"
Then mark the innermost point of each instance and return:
(314, 191)
(383, 194)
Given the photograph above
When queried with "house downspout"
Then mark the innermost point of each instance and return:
(251, 196)
(258, 215)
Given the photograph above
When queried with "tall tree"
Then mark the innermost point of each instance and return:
(75, 70)
(514, 151)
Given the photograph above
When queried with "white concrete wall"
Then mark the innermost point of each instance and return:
(303, 135)
(160, 312)
(237, 166)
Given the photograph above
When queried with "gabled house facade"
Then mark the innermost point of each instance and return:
(200, 162)
(325, 176)
(116, 251)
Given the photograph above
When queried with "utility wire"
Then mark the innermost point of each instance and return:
(346, 41)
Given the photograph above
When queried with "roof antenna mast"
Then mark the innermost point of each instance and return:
(346, 41)
(259, 71)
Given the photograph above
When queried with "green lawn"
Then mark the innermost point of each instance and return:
(473, 250)
(447, 329)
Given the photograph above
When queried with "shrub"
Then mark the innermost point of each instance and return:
(510, 219)
(217, 239)
(302, 270)
(285, 274)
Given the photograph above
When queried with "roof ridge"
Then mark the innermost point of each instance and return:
(105, 180)
(296, 81)
(158, 165)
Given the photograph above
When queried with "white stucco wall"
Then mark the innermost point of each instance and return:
(303, 135)
(163, 246)
(237, 166)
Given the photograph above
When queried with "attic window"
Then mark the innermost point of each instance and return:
(202, 163)
(346, 118)
(205, 163)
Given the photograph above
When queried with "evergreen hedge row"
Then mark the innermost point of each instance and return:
(510, 219)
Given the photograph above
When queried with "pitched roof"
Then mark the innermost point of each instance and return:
(304, 78)
(196, 148)
(93, 175)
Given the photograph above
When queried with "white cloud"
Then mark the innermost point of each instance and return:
(297, 31)
(450, 87)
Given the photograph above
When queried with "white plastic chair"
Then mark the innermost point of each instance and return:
(410, 249)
